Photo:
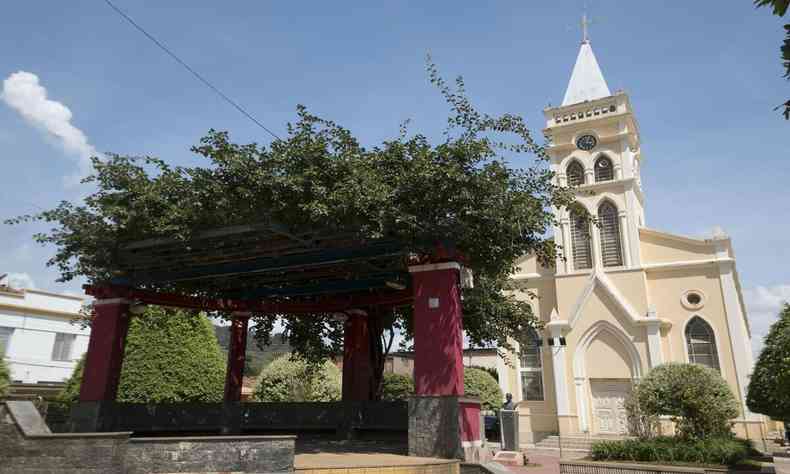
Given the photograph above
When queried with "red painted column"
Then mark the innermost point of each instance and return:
(104, 358)
(236, 356)
(438, 338)
(357, 370)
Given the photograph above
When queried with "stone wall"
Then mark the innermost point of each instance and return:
(45, 453)
(28, 447)
(270, 454)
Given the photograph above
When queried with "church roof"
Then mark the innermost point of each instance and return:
(587, 82)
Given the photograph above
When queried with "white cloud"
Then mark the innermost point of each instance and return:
(20, 280)
(23, 93)
(763, 304)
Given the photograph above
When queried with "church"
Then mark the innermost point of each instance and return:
(623, 297)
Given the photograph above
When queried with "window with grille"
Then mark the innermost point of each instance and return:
(531, 366)
(701, 343)
(575, 173)
(580, 241)
(604, 170)
(63, 344)
(609, 225)
(5, 339)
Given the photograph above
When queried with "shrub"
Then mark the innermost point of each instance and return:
(5, 378)
(397, 387)
(696, 398)
(769, 385)
(641, 424)
(726, 451)
(170, 357)
(481, 384)
(253, 364)
(291, 379)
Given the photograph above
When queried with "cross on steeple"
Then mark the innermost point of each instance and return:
(585, 24)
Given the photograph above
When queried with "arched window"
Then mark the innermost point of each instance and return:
(604, 170)
(701, 343)
(580, 241)
(575, 173)
(609, 225)
(531, 365)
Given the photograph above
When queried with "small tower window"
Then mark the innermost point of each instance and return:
(531, 365)
(611, 249)
(604, 171)
(701, 343)
(575, 174)
(580, 241)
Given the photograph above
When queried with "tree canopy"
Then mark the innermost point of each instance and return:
(170, 357)
(319, 176)
(769, 385)
(779, 8)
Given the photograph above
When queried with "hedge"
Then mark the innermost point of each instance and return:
(722, 451)
(396, 387)
(170, 357)
(481, 384)
(291, 379)
(5, 378)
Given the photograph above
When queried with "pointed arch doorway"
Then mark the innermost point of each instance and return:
(605, 365)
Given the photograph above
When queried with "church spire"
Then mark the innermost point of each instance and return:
(587, 82)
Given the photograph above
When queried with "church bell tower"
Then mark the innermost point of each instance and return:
(595, 149)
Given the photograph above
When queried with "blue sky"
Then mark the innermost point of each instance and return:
(703, 78)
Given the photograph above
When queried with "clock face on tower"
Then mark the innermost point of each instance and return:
(586, 142)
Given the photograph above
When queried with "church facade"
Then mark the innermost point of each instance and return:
(623, 298)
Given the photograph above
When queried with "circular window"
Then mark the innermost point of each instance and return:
(693, 299)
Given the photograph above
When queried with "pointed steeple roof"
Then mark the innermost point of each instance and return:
(587, 82)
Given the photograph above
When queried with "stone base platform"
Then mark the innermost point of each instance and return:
(372, 463)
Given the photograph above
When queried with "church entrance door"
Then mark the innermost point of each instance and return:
(609, 405)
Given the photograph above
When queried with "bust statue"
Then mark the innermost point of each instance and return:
(508, 405)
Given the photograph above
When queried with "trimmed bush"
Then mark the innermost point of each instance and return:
(291, 379)
(724, 451)
(5, 378)
(396, 387)
(641, 424)
(481, 384)
(170, 357)
(697, 399)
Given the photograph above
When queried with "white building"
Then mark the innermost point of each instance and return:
(37, 339)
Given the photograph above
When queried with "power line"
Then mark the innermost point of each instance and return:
(188, 68)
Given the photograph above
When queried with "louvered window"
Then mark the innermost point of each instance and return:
(611, 250)
(531, 366)
(575, 174)
(62, 348)
(701, 343)
(580, 241)
(5, 338)
(604, 171)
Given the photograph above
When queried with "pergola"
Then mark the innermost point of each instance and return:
(264, 268)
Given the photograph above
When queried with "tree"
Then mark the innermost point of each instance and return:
(293, 379)
(481, 384)
(319, 177)
(769, 386)
(696, 398)
(779, 9)
(397, 387)
(170, 357)
(5, 378)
